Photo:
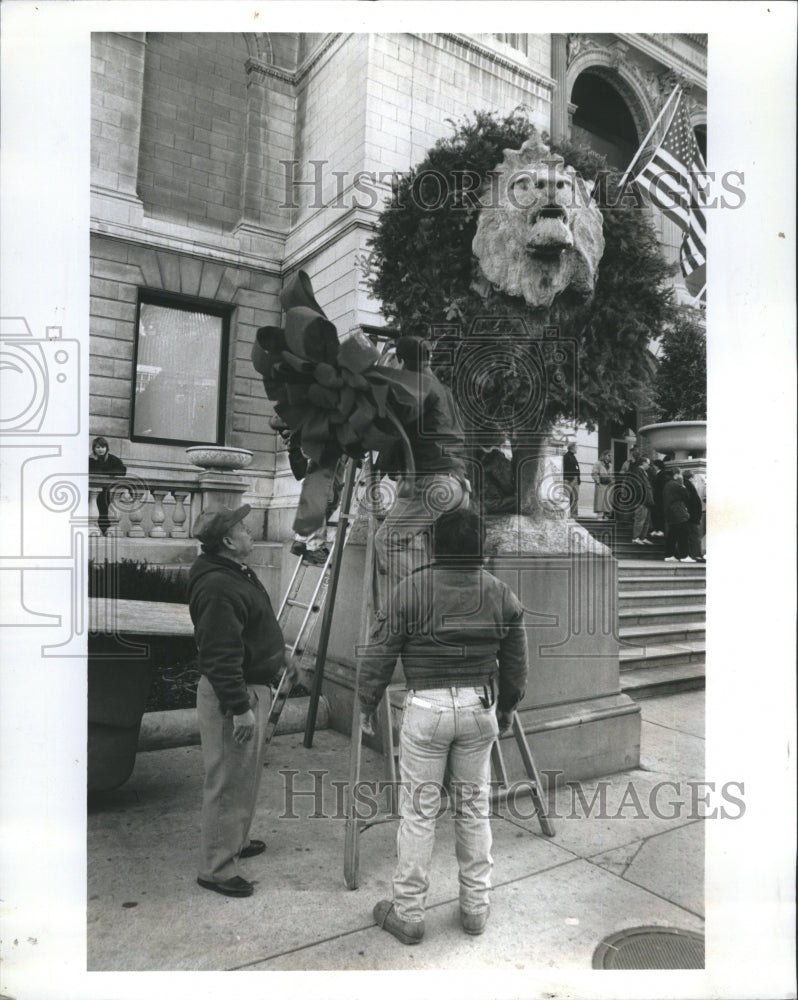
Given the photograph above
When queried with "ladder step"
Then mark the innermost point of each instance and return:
(301, 604)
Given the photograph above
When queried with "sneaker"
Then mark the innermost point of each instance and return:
(637, 541)
(474, 923)
(647, 541)
(670, 559)
(406, 931)
(688, 559)
(297, 548)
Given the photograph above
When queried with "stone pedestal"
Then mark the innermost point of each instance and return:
(577, 721)
(220, 484)
(221, 488)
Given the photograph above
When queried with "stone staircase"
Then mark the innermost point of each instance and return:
(661, 614)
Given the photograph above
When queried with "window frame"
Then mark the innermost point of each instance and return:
(186, 303)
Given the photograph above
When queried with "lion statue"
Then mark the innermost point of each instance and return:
(538, 233)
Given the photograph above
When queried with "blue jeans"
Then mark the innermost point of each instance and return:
(445, 731)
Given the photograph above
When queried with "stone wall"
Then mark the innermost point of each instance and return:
(118, 270)
(192, 128)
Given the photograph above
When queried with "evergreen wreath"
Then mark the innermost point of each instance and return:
(421, 268)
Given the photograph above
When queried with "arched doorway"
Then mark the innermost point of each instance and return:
(602, 120)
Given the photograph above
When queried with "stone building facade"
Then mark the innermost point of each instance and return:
(222, 163)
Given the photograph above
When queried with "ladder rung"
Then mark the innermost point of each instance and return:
(297, 604)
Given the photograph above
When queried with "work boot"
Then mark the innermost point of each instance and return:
(474, 923)
(406, 931)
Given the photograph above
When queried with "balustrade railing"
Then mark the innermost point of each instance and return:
(130, 507)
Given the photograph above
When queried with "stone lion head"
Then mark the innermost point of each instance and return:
(538, 232)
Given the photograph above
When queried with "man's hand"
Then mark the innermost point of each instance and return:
(505, 720)
(368, 723)
(243, 726)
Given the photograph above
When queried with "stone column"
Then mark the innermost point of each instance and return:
(253, 189)
(559, 99)
(115, 177)
(131, 76)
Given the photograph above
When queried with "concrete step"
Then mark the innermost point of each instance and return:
(643, 567)
(649, 555)
(641, 636)
(667, 679)
(655, 581)
(663, 654)
(661, 598)
(660, 615)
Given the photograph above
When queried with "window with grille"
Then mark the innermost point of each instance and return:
(180, 371)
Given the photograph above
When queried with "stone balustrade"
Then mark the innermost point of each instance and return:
(157, 508)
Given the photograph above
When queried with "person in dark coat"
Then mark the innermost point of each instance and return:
(695, 509)
(241, 652)
(437, 443)
(644, 500)
(674, 504)
(572, 477)
(659, 476)
(103, 463)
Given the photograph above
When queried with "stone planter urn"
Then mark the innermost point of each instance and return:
(219, 484)
(219, 457)
(687, 439)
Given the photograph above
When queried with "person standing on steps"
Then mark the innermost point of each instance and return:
(644, 495)
(460, 634)
(674, 505)
(695, 508)
(659, 476)
(602, 478)
(572, 478)
(241, 652)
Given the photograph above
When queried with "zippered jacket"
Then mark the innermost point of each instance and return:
(453, 626)
(239, 640)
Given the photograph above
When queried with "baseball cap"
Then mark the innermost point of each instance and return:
(212, 525)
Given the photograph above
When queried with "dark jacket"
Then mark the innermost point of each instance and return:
(570, 468)
(453, 626)
(108, 466)
(238, 638)
(643, 487)
(674, 503)
(436, 435)
(694, 506)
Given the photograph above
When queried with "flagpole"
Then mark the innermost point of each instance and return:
(644, 143)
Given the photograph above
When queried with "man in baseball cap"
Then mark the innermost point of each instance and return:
(241, 653)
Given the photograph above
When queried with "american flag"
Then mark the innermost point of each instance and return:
(668, 182)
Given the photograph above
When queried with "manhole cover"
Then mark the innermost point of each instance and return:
(651, 948)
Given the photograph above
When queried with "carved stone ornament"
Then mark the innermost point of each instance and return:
(538, 232)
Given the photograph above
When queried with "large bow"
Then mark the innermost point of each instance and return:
(332, 399)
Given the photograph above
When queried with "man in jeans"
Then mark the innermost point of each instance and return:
(461, 637)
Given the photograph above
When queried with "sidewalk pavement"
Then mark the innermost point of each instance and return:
(610, 867)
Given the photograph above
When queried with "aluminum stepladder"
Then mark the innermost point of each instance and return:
(354, 826)
(304, 599)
